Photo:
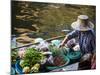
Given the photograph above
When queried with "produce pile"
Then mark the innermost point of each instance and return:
(40, 58)
(55, 50)
(14, 56)
(31, 60)
(58, 54)
(59, 61)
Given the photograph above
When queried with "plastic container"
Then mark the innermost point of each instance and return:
(12, 71)
(74, 56)
(18, 68)
(56, 42)
(58, 67)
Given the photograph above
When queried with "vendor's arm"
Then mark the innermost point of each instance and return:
(69, 36)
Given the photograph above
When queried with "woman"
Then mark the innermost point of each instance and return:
(83, 29)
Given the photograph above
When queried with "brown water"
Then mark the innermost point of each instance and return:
(31, 19)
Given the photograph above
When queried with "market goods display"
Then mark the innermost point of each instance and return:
(33, 59)
(30, 60)
(59, 62)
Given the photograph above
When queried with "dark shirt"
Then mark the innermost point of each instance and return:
(86, 40)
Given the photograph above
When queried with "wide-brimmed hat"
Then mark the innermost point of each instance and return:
(82, 23)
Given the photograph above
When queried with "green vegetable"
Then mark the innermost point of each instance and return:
(14, 55)
(32, 56)
(23, 63)
(26, 69)
(55, 50)
(35, 68)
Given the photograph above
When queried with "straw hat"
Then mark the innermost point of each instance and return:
(82, 23)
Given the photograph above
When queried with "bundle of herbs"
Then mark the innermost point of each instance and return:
(57, 51)
(58, 55)
(32, 57)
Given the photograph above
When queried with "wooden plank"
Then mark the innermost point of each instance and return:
(48, 40)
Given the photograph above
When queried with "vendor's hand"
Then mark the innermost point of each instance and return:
(76, 48)
(61, 45)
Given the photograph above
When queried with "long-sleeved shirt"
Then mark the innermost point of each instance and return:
(86, 40)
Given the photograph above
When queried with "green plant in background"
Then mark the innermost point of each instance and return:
(14, 55)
